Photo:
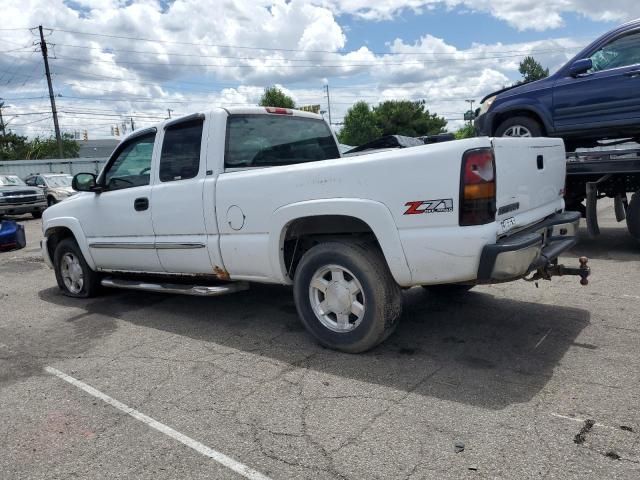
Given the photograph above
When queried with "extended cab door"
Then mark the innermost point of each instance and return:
(178, 209)
(608, 95)
(117, 221)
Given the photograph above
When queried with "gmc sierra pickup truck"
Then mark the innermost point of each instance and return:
(206, 203)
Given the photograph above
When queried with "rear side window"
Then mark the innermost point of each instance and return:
(180, 158)
(270, 140)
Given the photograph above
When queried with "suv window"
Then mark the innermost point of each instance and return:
(40, 182)
(132, 165)
(180, 158)
(269, 140)
(621, 52)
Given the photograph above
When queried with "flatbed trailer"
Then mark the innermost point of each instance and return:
(594, 175)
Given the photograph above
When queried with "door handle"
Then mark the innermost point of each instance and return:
(632, 73)
(141, 204)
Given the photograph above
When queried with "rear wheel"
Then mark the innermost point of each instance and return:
(51, 201)
(519, 127)
(36, 214)
(346, 296)
(73, 275)
(448, 288)
(633, 216)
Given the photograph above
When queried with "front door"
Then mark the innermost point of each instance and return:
(117, 221)
(177, 197)
(607, 95)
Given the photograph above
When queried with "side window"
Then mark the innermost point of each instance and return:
(180, 158)
(31, 181)
(132, 164)
(270, 140)
(621, 52)
(40, 182)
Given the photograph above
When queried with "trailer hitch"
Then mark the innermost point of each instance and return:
(558, 270)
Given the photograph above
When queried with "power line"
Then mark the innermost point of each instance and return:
(244, 47)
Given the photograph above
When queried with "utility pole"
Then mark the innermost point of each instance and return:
(169, 110)
(1, 120)
(326, 87)
(43, 49)
(133, 127)
(471, 110)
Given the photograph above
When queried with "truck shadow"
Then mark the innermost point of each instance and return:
(477, 349)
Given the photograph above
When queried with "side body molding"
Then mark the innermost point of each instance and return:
(374, 214)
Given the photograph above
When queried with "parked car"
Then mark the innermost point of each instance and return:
(262, 195)
(56, 186)
(12, 236)
(595, 96)
(17, 198)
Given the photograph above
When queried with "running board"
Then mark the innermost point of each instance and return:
(194, 290)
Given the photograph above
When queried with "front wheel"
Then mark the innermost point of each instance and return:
(346, 297)
(73, 275)
(37, 214)
(519, 127)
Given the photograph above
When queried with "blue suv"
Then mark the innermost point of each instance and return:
(595, 96)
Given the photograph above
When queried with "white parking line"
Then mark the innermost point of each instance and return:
(221, 458)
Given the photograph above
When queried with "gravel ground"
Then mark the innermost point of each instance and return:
(507, 381)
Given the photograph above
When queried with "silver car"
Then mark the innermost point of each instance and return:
(56, 186)
(17, 198)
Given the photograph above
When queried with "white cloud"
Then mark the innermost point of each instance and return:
(194, 61)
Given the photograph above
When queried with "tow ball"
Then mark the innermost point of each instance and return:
(556, 270)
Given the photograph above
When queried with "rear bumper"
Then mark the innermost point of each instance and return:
(524, 252)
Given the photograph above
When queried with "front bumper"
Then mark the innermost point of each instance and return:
(19, 209)
(532, 249)
(482, 124)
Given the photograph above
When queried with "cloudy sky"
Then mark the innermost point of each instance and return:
(116, 60)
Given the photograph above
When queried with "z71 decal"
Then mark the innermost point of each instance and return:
(440, 205)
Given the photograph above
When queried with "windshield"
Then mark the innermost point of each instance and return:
(59, 181)
(10, 180)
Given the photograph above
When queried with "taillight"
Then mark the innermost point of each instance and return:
(478, 187)
(279, 110)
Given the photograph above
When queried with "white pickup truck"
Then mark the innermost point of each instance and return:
(206, 203)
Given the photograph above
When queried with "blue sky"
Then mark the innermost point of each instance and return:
(452, 50)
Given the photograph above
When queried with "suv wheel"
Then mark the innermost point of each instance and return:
(633, 216)
(51, 201)
(346, 296)
(73, 275)
(519, 127)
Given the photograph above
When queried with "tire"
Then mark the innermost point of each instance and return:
(68, 255)
(51, 201)
(633, 216)
(525, 123)
(36, 214)
(448, 289)
(340, 275)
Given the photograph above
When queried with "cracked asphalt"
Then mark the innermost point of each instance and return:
(522, 382)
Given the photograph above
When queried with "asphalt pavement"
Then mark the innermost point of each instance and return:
(507, 381)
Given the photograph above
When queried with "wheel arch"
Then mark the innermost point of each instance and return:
(335, 218)
(61, 228)
(521, 111)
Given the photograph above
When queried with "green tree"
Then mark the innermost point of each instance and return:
(13, 147)
(465, 132)
(532, 70)
(274, 97)
(404, 117)
(359, 125)
(16, 147)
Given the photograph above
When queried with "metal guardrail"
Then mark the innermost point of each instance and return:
(24, 168)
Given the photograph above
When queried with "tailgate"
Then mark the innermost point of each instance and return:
(530, 177)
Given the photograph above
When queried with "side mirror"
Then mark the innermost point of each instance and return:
(580, 66)
(84, 182)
